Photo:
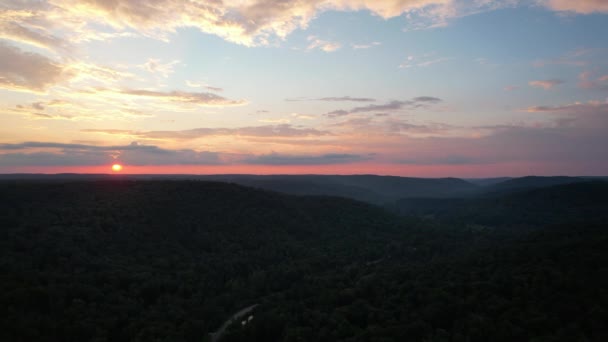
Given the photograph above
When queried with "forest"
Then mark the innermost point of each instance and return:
(172, 260)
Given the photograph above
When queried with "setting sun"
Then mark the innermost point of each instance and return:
(116, 167)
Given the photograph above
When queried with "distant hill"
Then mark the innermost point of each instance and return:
(367, 188)
(579, 201)
(531, 182)
(487, 181)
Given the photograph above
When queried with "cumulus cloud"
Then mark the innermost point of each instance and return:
(28, 71)
(248, 22)
(545, 84)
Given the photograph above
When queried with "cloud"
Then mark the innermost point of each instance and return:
(324, 45)
(510, 88)
(155, 66)
(302, 116)
(365, 46)
(275, 120)
(570, 58)
(325, 159)
(588, 81)
(427, 99)
(37, 37)
(578, 6)
(58, 109)
(62, 154)
(414, 103)
(202, 85)
(337, 113)
(268, 131)
(59, 154)
(52, 23)
(386, 126)
(592, 107)
(422, 61)
(201, 99)
(250, 22)
(333, 99)
(28, 71)
(347, 98)
(545, 84)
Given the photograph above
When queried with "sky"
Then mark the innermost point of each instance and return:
(425, 88)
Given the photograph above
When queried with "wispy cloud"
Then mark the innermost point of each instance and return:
(546, 84)
(365, 46)
(592, 107)
(589, 81)
(268, 131)
(10, 29)
(417, 102)
(422, 61)
(325, 159)
(28, 71)
(255, 22)
(201, 99)
(333, 99)
(192, 84)
(61, 154)
(250, 23)
(66, 154)
(324, 45)
(578, 6)
(156, 66)
(572, 58)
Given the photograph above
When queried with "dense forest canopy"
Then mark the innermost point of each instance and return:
(159, 260)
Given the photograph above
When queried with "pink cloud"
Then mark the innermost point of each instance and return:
(578, 6)
(545, 84)
(587, 81)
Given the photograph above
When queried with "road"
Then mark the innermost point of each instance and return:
(216, 336)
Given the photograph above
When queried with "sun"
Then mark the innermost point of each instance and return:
(116, 167)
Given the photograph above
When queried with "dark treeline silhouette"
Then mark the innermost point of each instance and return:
(127, 260)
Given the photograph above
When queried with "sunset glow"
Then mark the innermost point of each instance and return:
(418, 88)
(116, 167)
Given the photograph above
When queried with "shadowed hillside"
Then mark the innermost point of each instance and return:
(173, 260)
(575, 202)
(531, 182)
(368, 188)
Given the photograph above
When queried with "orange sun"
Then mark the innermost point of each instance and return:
(116, 167)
